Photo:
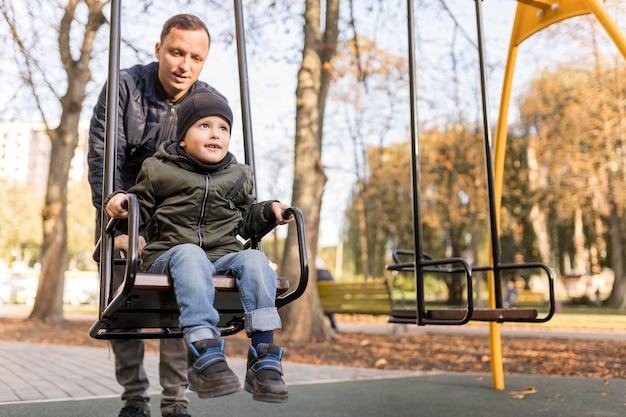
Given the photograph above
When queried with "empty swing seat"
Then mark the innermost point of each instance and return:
(422, 315)
(409, 316)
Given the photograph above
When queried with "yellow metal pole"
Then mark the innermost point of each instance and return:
(495, 337)
(495, 345)
(528, 22)
(607, 22)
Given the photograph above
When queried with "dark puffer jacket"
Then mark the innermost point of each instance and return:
(146, 119)
(182, 201)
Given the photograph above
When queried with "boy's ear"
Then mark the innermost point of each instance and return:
(181, 143)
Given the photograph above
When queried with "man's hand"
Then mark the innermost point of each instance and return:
(120, 242)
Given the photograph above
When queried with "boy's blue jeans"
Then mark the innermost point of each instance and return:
(192, 274)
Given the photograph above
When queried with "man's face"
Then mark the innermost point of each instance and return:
(181, 58)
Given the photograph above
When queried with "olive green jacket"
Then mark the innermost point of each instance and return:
(184, 201)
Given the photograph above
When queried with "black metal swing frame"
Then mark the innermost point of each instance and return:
(422, 263)
(144, 306)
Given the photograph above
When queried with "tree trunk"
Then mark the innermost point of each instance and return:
(362, 234)
(304, 320)
(49, 302)
(538, 220)
(581, 264)
(617, 299)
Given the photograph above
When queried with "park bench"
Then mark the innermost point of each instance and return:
(530, 298)
(356, 297)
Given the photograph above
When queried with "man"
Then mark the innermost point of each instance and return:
(148, 97)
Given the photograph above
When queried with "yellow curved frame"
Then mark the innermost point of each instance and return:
(531, 17)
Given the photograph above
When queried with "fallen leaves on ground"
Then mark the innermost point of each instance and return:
(422, 352)
(519, 395)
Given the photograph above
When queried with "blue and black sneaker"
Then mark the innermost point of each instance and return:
(209, 374)
(264, 374)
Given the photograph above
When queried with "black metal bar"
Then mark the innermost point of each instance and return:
(423, 320)
(132, 265)
(421, 262)
(244, 91)
(110, 145)
(415, 165)
(550, 274)
(493, 223)
(304, 261)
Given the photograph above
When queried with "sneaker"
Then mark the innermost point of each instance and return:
(209, 374)
(179, 411)
(264, 374)
(130, 411)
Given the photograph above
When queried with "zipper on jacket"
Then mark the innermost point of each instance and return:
(168, 124)
(202, 207)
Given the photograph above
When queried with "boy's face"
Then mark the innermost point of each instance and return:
(181, 56)
(207, 139)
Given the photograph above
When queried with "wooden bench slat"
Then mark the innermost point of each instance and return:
(357, 309)
(530, 298)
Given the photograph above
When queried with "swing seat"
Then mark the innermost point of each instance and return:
(152, 304)
(144, 305)
(422, 315)
(455, 315)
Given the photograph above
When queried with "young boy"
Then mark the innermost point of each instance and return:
(195, 199)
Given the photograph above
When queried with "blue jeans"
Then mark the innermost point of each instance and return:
(192, 274)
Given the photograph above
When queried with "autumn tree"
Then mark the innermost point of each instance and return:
(573, 116)
(84, 17)
(364, 73)
(20, 237)
(306, 321)
(80, 215)
(384, 200)
(453, 199)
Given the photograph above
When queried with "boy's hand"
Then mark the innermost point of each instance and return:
(279, 209)
(115, 208)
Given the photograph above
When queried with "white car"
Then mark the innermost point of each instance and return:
(5, 293)
(79, 291)
(19, 289)
(27, 291)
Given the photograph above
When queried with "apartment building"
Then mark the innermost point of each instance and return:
(25, 155)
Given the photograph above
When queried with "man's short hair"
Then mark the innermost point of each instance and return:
(184, 22)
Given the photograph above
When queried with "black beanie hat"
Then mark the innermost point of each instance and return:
(201, 103)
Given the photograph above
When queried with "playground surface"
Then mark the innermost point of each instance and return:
(42, 379)
(57, 380)
(60, 380)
